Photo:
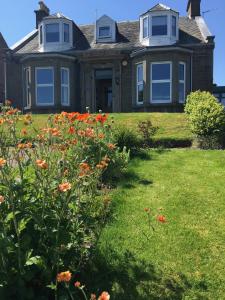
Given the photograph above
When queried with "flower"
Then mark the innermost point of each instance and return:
(104, 296)
(24, 131)
(77, 284)
(101, 118)
(84, 168)
(111, 146)
(64, 276)
(42, 164)
(64, 187)
(93, 297)
(24, 146)
(71, 130)
(147, 210)
(1, 121)
(2, 162)
(161, 218)
(2, 199)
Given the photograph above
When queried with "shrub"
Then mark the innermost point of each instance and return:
(147, 131)
(127, 138)
(206, 116)
(51, 208)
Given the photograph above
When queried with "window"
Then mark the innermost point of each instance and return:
(182, 94)
(104, 31)
(145, 27)
(159, 25)
(66, 33)
(174, 26)
(65, 86)
(41, 34)
(27, 103)
(223, 99)
(44, 86)
(161, 82)
(52, 33)
(140, 84)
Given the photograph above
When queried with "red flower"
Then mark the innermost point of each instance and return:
(71, 130)
(161, 219)
(101, 118)
(77, 284)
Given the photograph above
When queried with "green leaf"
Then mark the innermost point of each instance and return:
(35, 260)
(22, 224)
(10, 216)
(52, 286)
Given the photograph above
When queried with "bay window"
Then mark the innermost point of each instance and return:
(44, 86)
(52, 33)
(161, 82)
(140, 85)
(66, 33)
(182, 93)
(174, 26)
(159, 25)
(65, 86)
(145, 27)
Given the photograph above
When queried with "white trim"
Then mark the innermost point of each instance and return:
(182, 81)
(167, 25)
(45, 85)
(63, 85)
(138, 83)
(27, 78)
(161, 81)
(147, 36)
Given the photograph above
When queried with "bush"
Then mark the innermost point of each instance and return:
(206, 116)
(127, 138)
(51, 208)
(147, 131)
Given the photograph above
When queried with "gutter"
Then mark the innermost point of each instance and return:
(45, 55)
(149, 49)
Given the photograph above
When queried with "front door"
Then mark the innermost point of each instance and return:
(103, 90)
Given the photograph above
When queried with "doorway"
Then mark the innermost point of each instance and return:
(103, 90)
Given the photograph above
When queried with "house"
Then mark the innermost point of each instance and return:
(146, 65)
(219, 93)
(3, 49)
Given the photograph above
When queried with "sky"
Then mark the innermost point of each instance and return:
(17, 18)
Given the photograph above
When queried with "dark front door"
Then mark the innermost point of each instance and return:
(103, 85)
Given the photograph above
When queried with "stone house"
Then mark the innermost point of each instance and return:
(151, 64)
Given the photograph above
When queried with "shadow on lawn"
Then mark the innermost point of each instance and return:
(127, 278)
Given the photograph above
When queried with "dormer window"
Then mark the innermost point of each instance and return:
(52, 33)
(159, 25)
(104, 31)
(55, 33)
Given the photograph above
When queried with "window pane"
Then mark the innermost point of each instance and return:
(161, 92)
(65, 95)
(161, 72)
(159, 25)
(104, 31)
(181, 71)
(44, 76)
(181, 92)
(140, 96)
(66, 33)
(64, 76)
(140, 73)
(52, 33)
(174, 26)
(223, 101)
(145, 27)
(45, 95)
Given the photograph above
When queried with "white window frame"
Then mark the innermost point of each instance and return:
(182, 81)
(60, 32)
(63, 32)
(147, 36)
(27, 77)
(41, 35)
(167, 24)
(173, 17)
(45, 85)
(63, 85)
(138, 83)
(161, 81)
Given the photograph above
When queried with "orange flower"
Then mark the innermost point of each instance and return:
(77, 284)
(64, 187)
(27, 119)
(71, 130)
(2, 162)
(90, 132)
(1, 121)
(101, 136)
(24, 131)
(42, 164)
(111, 146)
(64, 276)
(2, 199)
(81, 132)
(101, 118)
(83, 117)
(104, 296)
(24, 146)
(161, 218)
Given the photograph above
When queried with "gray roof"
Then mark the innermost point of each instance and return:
(127, 37)
(57, 16)
(3, 44)
(159, 7)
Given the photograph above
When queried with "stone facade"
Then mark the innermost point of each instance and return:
(108, 69)
(3, 49)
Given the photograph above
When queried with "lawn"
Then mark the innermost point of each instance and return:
(185, 257)
(171, 126)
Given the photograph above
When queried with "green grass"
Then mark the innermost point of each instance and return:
(182, 259)
(171, 125)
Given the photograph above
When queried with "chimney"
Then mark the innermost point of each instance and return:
(194, 8)
(41, 13)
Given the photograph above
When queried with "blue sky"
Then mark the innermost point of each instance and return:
(17, 18)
